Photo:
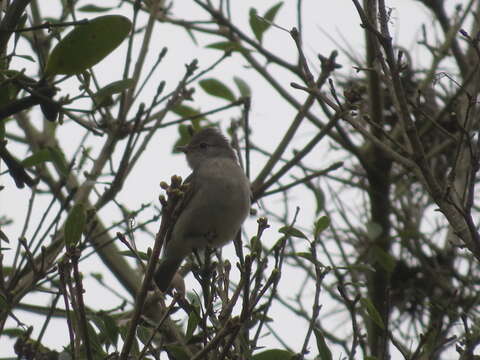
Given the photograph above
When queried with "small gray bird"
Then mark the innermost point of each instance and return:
(218, 202)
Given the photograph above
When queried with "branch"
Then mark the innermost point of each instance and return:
(10, 21)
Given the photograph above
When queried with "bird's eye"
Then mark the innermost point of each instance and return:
(203, 145)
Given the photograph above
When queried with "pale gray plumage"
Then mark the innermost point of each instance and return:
(218, 203)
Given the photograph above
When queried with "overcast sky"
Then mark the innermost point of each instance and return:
(269, 115)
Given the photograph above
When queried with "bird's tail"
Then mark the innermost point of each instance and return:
(166, 271)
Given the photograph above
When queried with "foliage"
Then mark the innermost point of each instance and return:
(385, 262)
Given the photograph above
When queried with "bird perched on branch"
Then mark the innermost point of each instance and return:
(216, 202)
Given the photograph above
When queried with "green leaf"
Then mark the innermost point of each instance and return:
(243, 87)
(193, 321)
(373, 230)
(142, 255)
(134, 350)
(272, 12)
(321, 224)
(39, 157)
(97, 276)
(306, 256)
(26, 57)
(227, 46)
(111, 330)
(144, 334)
(4, 237)
(256, 245)
(274, 354)
(372, 312)
(9, 88)
(13, 333)
(4, 305)
(94, 8)
(85, 156)
(177, 352)
(386, 261)
(186, 111)
(94, 340)
(319, 197)
(216, 88)
(87, 44)
(7, 270)
(20, 24)
(183, 139)
(292, 231)
(324, 352)
(2, 130)
(358, 267)
(102, 95)
(259, 25)
(66, 355)
(75, 225)
(59, 160)
(191, 35)
(98, 323)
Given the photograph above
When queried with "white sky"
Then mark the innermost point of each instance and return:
(269, 115)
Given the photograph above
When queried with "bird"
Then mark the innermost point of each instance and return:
(217, 202)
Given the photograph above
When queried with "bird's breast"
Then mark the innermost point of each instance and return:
(220, 204)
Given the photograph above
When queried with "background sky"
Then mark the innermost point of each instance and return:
(328, 25)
